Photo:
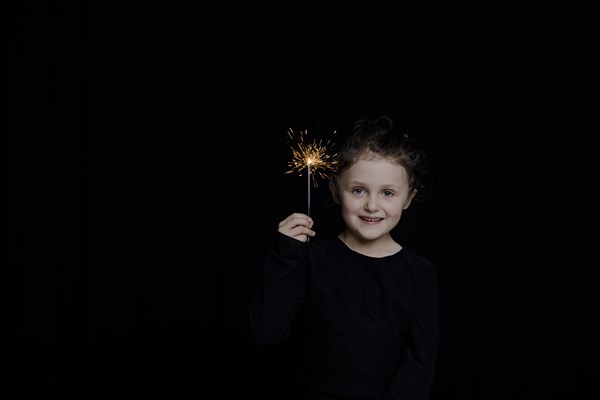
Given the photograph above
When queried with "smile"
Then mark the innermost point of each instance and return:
(371, 219)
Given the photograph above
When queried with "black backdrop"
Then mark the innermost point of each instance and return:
(146, 159)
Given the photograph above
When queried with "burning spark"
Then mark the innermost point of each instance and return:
(315, 156)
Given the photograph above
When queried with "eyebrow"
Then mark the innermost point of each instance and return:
(387, 185)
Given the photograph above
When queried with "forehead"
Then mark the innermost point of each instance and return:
(380, 171)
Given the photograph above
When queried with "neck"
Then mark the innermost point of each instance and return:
(382, 247)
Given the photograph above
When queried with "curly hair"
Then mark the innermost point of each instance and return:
(378, 138)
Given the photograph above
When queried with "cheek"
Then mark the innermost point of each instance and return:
(347, 208)
(350, 204)
(395, 210)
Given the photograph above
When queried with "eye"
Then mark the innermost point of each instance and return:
(358, 191)
(388, 193)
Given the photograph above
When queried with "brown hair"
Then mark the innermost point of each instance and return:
(379, 138)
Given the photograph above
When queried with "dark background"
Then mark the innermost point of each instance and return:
(146, 153)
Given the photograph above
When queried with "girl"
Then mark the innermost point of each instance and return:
(369, 305)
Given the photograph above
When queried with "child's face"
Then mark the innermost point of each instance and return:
(372, 194)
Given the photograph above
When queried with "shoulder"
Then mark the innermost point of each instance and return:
(416, 264)
(327, 248)
(328, 245)
(325, 243)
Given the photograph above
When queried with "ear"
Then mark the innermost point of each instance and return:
(409, 199)
(334, 193)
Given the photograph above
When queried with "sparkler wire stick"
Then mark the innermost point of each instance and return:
(308, 181)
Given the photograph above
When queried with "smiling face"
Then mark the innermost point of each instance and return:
(372, 193)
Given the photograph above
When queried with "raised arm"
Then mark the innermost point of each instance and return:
(281, 289)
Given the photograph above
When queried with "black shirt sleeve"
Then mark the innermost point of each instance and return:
(280, 291)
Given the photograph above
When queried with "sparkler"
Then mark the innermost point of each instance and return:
(315, 156)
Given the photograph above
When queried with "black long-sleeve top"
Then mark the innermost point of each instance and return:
(370, 328)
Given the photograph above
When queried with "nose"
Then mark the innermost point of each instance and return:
(371, 203)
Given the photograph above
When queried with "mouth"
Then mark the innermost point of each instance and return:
(371, 220)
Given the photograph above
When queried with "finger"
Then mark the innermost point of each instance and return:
(298, 232)
(296, 219)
